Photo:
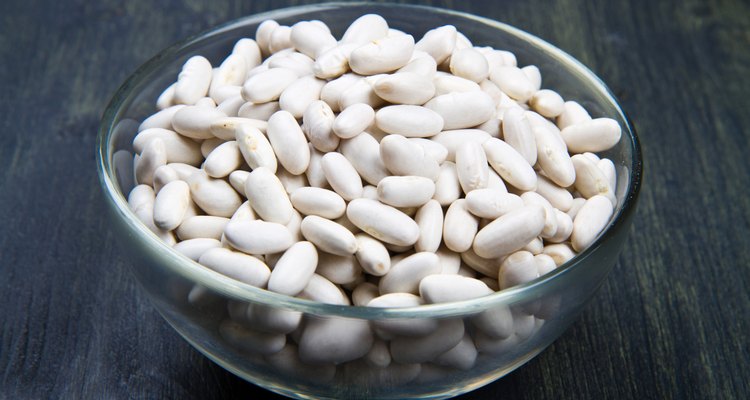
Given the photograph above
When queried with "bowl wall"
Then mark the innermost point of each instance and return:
(260, 336)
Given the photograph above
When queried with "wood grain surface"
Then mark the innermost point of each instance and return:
(671, 321)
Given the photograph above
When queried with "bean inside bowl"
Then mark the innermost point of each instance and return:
(302, 348)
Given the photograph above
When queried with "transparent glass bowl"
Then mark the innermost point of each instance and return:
(255, 333)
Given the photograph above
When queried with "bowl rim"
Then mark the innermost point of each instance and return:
(204, 276)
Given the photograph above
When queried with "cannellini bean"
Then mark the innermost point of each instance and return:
(485, 266)
(223, 160)
(573, 113)
(596, 135)
(492, 203)
(365, 29)
(255, 148)
(291, 182)
(242, 267)
(514, 82)
(578, 202)
(250, 340)
(179, 149)
(560, 252)
(161, 119)
(404, 276)
(443, 288)
(364, 293)
(268, 196)
(438, 42)
(318, 124)
(314, 173)
(460, 227)
(193, 81)
(328, 235)
(402, 157)
(268, 85)
(590, 221)
(316, 201)
(608, 168)
(195, 121)
(447, 186)
(409, 121)
(342, 270)
(310, 38)
(552, 157)
(353, 120)
(263, 34)
(463, 109)
(363, 152)
(547, 103)
(434, 149)
(509, 232)
(297, 97)
(195, 248)
(520, 267)
(334, 340)
(322, 290)
(453, 139)
(154, 155)
(257, 237)
(261, 111)
(280, 39)
(517, 133)
(201, 226)
(560, 198)
(237, 180)
(405, 88)
(405, 191)
(534, 76)
(373, 257)
(421, 63)
(332, 91)
(382, 55)
(171, 204)
(166, 98)
(208, 145)
(250, 52)
(429, 218)
(294, 269)
(471, 166)
(564, 228)
(299, 63)
(361, 92)
(510, 164)
(591, 180)
(272, 319)
(470, 64)
(447, 335)
(342, 176)
(288, 142)
(333, 62)
(550, 219)
(383, 222)
(447, 84)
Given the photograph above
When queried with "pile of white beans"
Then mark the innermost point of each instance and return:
(377, 171)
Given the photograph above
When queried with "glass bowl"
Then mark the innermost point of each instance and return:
(261, 336)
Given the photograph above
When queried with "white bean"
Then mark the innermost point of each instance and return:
(154, 155)
(443, 288)
(223, 160)
(405, 88)
(316, 201)
(591, 219)
(463, 109)
(161, 119)
(509, 232)
(363, 152)
(447, 84)
(255, 148)
(257, 237)
(596, 135)
(353, 120)
(383, 222)
(517, 133)
(365, 29)
(328, 235)
(195, 248)
(460, 227)
(261, 111)
(591, 180)
(179, 148)
(268, 196)
(447, 187)
(297, 97)
(334, 340)
(429, 218)
(492, 203)
(382, 55)
(471, 166)
(193, 81)
(310, 38)
(438, 42)
(560, 198)
(288, 142)
(560, 252)
(373, 257)
(242, 267)
(342, 176)
(448, 334)
(268, 85)
(513, 82)
(409, 121)
(403, 157)
(453, 139)
(332, 91)
(405, 191)
(322, 290)
(171, 204)
(519, 267)
(470, 64)
(341, 270)
(202, 226)
(195, 121)
(552, 156)
(404, 276)
(318, 124)
(463, 356)
(573, 113)
(547, 103)
(294, 269)
(333, 62)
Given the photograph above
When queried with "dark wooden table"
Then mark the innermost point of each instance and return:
(672, 320)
